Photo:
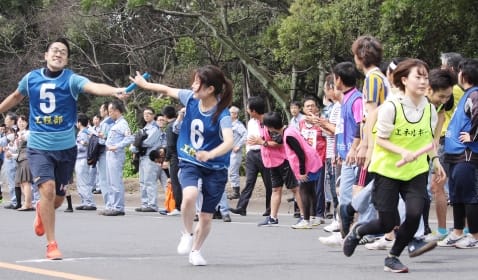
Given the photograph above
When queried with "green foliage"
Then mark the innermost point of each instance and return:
(89, 4)
(423, 29)
(10, 8)
(159, 103)
(187, 51)
(257, 43)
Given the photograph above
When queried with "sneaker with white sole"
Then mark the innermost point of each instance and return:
(367, 239)
(333, 240)
(269, 221)
(380, 244)
(185, 244)
(175, 212)
(435, 236)
(303, 224)
(196, 259)
(393, 264)
(468, 242)
(333, 227)
(450, 240)
(316, 221)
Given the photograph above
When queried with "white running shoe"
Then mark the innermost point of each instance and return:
(333, 227)
(195, 258)
(335, 239)
(450, 240)
(468, 242)
(175, 212)
(435, 236)
(185, 244)
(303, 224)
(380, 244)
(316, 221)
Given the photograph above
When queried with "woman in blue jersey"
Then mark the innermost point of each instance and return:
(204, 146)
(51, 150)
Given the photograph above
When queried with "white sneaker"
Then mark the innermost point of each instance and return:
(435, 236)
(335, 239)
(185, 244)
(303, 224)
(316, 221)
(469, 242)
(195, 258)
(380, 244)
(333, 227)
(450, 240)
(175, 212)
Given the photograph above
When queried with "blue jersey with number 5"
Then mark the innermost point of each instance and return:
(52, 108)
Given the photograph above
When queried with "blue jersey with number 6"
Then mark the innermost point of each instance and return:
(52, 108)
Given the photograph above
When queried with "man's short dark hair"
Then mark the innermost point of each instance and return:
(441, 79)
(62, 40)
(256, 104)
(83, 119)
(118, 105)
(149, 109)
(169, 112)
(347, 73)
(296, 103)
(469, 71)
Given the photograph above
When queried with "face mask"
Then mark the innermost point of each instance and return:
(276, 137)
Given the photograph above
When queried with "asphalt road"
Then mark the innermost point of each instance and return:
(143, 246)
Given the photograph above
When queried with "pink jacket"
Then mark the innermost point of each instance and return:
(312, 159)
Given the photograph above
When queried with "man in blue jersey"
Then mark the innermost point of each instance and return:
(53, 93)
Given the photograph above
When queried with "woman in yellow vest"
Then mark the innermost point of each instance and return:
(404, 126)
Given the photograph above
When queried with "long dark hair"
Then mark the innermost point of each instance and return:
(211, 75)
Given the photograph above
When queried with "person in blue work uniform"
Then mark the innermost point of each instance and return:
(119, 137)
(82, 169)
(163, 172)
(148, 170)
(53, 93)
(204, 147)
(105, 126)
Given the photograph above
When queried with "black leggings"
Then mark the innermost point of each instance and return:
(465, 211)
(308, 197)
(388, 220)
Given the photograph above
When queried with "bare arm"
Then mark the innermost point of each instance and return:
(103, 90)
(441, 120)
(13, 99)
(142, 83)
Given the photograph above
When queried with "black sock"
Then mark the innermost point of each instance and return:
(18, 194)
(426, 213)
(68, 200)
(350, 210)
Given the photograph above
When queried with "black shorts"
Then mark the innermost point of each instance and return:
(281, 175)
(52, 165)
(386, 191)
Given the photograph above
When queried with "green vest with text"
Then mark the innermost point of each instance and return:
(410, 136)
